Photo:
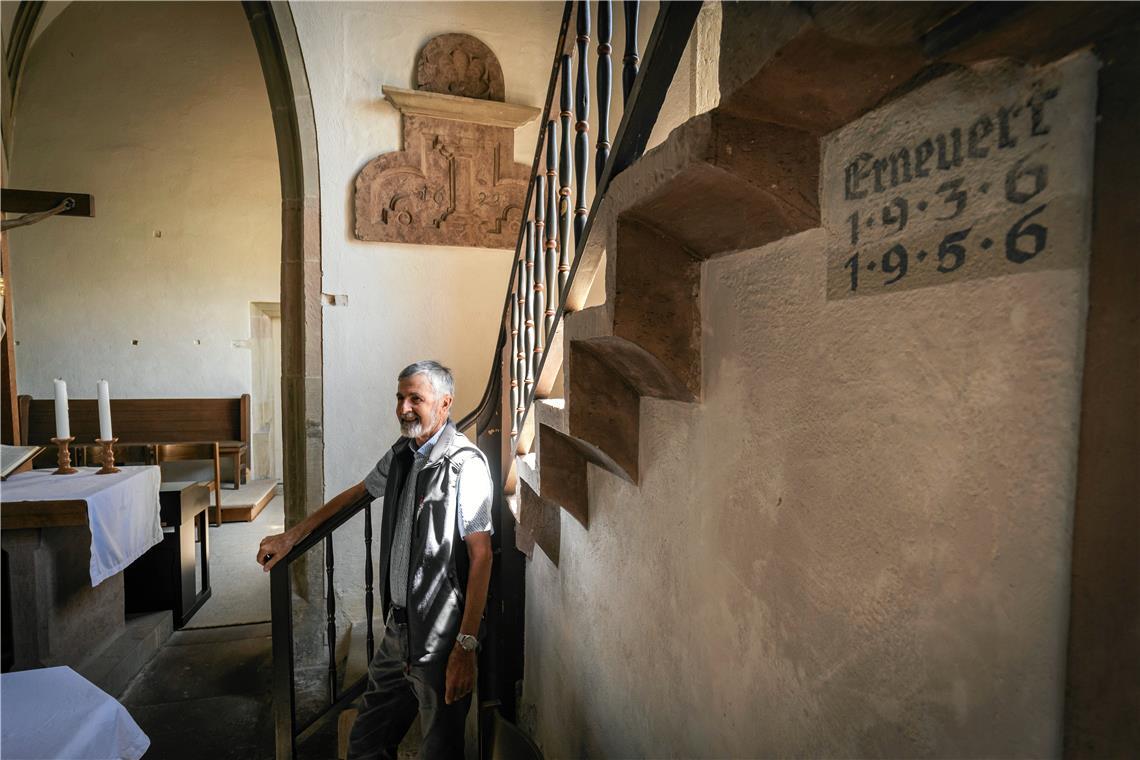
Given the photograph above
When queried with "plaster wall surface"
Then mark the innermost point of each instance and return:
(857, 545)
(159, 111)
(404, 302)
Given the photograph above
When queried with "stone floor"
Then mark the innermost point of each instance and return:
(207, 694)
(240, 586)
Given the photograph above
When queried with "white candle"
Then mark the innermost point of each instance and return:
(62, 424)
(104, 410)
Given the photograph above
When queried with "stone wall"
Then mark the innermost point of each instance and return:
(858, 543)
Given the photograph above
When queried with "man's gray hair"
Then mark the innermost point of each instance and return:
(439, 375)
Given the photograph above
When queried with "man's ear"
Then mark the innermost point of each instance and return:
(447, 402)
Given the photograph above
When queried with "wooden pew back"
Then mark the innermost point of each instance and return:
(142, 420)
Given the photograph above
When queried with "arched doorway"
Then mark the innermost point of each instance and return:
(279, 51)
(283, 65)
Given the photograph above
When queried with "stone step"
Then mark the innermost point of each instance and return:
(740, 176)
(113, 666)
(540, 523)
(552, 413)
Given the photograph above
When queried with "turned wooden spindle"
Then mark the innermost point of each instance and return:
(528, 290)
(520, 346)
(513, 364)
(538, 305)
(631, 59)
(554, 295)
(330, 617)
(605, 86)
(369, 599)
(64, 458)
(566, 211)
(582, 126)
(108, 456)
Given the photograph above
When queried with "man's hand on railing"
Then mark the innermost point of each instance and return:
(273, 548)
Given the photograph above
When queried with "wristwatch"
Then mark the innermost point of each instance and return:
(467, 642)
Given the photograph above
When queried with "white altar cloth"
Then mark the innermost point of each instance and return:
(122, 510)
(57, 714)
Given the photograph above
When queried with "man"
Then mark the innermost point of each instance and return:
(435, 565)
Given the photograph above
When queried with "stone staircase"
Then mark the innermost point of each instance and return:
(737, 177)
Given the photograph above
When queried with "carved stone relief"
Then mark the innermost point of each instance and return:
(453, 184)
(455, 181)
(459, 64)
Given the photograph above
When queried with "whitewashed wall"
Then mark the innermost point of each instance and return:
(405, 302)
(159, 111)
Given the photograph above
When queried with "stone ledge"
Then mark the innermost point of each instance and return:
(528, 472)
(456, 108)
(552, 413)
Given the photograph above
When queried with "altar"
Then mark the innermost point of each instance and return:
(67, 539)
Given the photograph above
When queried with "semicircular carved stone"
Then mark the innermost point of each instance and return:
(459, 64)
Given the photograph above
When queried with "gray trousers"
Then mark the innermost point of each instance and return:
(395, 694)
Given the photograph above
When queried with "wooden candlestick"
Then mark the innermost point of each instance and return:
(108, 456)
(64, 460)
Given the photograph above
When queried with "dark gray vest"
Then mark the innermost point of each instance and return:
(437, 572)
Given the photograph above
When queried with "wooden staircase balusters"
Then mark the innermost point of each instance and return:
(582, 113)
(605, 86)
(564, 169)
(631, 58)
(330, 617)
(514, 403)
(538, 277)
(369, 597)
(528, 290)
(520, 344)
(554, 297)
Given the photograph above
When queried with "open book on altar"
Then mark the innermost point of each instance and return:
(16, 459)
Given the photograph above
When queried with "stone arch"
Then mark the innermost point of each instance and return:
(302, 387)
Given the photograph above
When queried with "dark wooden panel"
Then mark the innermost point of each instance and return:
(34, 201)
(145, 420)
(15, 515)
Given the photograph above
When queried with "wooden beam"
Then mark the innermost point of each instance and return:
(35, 201)
(20, 515)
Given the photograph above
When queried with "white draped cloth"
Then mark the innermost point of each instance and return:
(57, 713)
(122, 510)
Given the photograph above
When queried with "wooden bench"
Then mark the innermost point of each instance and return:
(164, 426)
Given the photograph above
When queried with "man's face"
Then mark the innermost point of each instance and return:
(420, 411)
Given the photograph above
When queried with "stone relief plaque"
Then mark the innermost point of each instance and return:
(455, 182)
(983, 173)
(459, 64)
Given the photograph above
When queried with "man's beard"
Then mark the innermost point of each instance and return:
(412, 428)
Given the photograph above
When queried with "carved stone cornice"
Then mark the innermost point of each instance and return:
(456, 108)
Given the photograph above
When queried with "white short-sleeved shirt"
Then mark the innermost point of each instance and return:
(473, 489)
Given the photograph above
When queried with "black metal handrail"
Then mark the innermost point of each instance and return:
(287, 734)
